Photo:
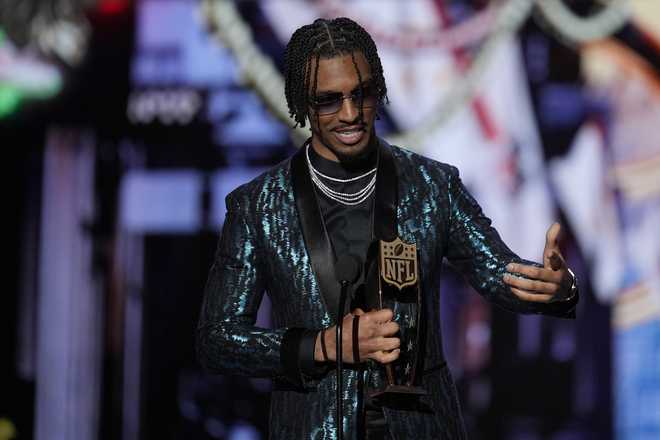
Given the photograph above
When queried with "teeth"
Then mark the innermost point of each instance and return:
(349, 137)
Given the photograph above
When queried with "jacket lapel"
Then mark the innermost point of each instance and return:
(387, 198)
(314, 232)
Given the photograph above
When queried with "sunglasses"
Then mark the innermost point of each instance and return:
(366, 95)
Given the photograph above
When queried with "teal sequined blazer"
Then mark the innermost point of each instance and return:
(274, 241)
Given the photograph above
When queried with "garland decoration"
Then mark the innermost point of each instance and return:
(578, 30)
(260, 73)
(466, 33)
(257, 70)
(58, 28)
(509, 19)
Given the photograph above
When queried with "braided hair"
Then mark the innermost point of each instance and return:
(325, 39)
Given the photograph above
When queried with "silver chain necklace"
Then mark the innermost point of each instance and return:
(347, 199)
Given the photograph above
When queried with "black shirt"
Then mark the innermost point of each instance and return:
(349, 227)
(350, 231)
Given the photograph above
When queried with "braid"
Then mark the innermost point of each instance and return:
(325, 39)
(359, 82)
(316, 78)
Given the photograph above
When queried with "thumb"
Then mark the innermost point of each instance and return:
(555, 261)
(551, 250)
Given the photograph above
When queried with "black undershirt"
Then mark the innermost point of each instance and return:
(349, 229)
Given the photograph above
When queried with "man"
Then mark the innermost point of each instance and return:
(342, 190)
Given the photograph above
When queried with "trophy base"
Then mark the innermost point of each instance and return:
(401, 397)
(398, 391)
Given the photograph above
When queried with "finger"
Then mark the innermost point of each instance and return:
(531, 285)
(380, 316)
(385, 358)
(552, 235)
(550, 243)
(380, 344)
(387, 329)
(535, 273)
(530, 296)
(358, 312)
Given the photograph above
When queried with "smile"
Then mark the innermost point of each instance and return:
(351, 135)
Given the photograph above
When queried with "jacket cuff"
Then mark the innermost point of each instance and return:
(289, 353)
(297, 354)
(306, 352)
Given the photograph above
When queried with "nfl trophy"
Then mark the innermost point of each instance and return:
(393, 282)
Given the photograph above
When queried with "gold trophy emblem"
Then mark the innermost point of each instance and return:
(398, 263)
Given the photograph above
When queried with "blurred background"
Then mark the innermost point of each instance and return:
(125, 123)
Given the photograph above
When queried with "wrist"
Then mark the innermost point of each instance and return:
(572, 290)
(318, 351)
(569, 287)
(322, 349)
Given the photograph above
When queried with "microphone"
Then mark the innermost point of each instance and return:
(347, 268)
(347, 271)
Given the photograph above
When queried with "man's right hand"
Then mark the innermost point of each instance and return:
(375, 335)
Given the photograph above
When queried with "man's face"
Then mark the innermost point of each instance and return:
(342, 135)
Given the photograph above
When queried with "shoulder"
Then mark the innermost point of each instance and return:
(273, 181)
(410, 163)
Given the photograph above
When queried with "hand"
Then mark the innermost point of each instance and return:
(375, 335)
(543, 284)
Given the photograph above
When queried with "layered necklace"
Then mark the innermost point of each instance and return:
(347, 199)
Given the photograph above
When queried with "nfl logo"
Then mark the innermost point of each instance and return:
(398, 263)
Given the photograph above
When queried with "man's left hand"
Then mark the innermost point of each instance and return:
(552, 281)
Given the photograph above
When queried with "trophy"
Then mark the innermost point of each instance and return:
(392, 281)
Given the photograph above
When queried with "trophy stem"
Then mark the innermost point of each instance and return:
(390, 374)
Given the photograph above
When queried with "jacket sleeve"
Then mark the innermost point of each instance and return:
(475, 248)
(228, 342)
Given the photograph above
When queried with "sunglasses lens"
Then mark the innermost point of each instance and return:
(327, 107)
(367, 96)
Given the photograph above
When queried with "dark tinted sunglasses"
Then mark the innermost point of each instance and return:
(329, 103)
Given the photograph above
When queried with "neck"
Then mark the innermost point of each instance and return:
(345, 168)
(321, 148)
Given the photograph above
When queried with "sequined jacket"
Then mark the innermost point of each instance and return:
(273, 241)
